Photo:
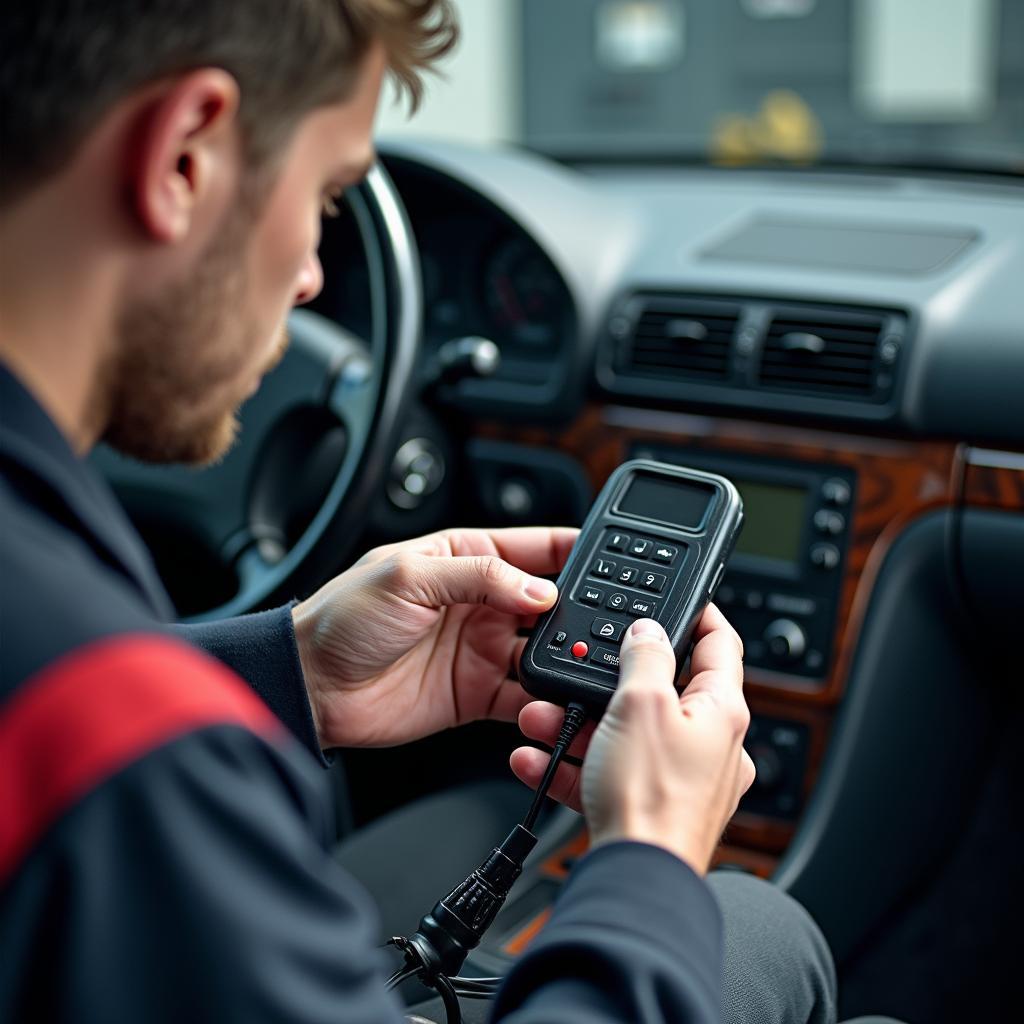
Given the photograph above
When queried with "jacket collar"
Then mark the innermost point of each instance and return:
(64, 487)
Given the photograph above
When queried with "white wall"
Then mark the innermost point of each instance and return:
(475, 101)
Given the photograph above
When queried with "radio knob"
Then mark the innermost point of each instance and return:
(785, 639)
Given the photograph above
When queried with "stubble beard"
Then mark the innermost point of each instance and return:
(173, 385)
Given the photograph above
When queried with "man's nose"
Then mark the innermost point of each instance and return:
(311, 280)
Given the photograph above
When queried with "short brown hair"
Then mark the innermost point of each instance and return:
(65, 63)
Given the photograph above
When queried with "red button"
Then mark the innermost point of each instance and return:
(579, 649)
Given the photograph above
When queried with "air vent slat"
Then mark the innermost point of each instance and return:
(816, 362)
(841, 362)
(678, 338)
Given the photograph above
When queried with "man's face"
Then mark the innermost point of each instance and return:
(187, 359)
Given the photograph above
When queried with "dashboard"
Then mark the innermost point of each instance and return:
(848, 348)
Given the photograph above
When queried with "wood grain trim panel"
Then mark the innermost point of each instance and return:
(990, 485)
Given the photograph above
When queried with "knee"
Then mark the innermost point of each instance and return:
(778, 966)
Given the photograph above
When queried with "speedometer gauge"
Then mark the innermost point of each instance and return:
(523, 294)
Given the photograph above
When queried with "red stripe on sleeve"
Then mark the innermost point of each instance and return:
(94, 712)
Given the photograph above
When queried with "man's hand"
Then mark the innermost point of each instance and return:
(659, 768)
(420, 636)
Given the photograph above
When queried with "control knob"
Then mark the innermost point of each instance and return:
(785, 639)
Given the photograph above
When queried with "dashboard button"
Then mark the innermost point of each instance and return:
(836, 492)
(827, 521)
(617, 542)
(653, 581)
(640, 547)
(606, 629)
(591, 595)
(825, 556)
(792, 604)
(617, 601)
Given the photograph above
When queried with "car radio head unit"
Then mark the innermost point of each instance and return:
(783, 585)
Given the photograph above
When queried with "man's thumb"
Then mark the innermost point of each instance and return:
(646, 657)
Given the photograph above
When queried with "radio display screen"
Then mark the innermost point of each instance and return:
(773, 520)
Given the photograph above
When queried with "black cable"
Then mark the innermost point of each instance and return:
(575, 716)
(401, 975)
(466, 980)
(438, 948)
(452, 1009)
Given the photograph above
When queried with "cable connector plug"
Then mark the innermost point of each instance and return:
(459, 920)
(575, 716)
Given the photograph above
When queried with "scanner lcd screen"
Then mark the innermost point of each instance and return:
(676, 502)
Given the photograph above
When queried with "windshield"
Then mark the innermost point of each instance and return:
(921, 83)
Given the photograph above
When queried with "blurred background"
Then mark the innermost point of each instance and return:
(916, 83)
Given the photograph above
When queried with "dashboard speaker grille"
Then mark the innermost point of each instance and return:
(828, 353)
(680, 339)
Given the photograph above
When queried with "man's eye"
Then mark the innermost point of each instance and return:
(330, 207)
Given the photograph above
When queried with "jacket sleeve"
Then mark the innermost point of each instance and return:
(635, 936)
(196, 884)
(261, 648)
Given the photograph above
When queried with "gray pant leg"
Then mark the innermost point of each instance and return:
(778, 967)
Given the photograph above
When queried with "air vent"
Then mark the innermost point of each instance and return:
(682, 338)
(827, 352)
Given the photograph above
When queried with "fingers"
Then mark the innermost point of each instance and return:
(747, 772)
(508, 703)
(529, 765)
(475, 579)
(542, 721)
(717, 661)
(714, 626)
(540, 550)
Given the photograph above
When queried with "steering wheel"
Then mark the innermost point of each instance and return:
(282, 511)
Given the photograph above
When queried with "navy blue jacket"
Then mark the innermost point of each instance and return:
(164, 832)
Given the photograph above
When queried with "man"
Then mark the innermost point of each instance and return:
(164, 853)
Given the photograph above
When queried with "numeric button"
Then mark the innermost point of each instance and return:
(590, 595)
(654, 581)
(627, 575)
(617, 602)
(640, 547)
(603, 568)
(617, 542)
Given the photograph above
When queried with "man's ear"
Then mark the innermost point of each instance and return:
(185, 153)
